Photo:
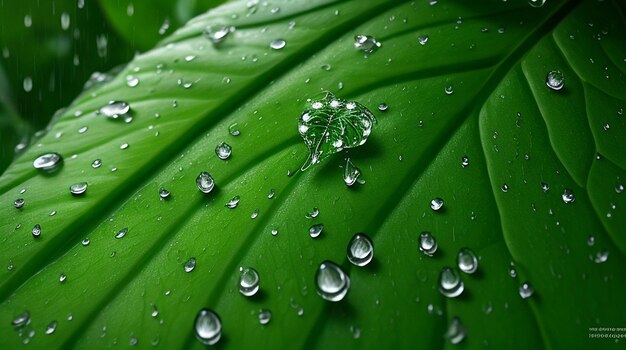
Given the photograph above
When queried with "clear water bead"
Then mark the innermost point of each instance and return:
(96, 164)
(316, 230)
(208, 327)
(554, 80)
(163, 193)
(467, 261)
(278, 44)
(121, 233)
(601, 256)
(331, 282)
(216, 33)
(436, 204)
(36, 231)
(450, 283)
(366, 43)
(449, 90)
(313, 214)
(249, 282)
(456, 331)
(48, 161)
(360, 250)
(205, 182)
(536, 3)
(21, 320)
(233, 203)
(223, 151)
(115, 109)
(422, 39)
(351, 173)
(464, 161)
(190, 265)
(265, 316)
(79, 188)
(568, 196)
(526, 290)
(19, 203)
(427, 243)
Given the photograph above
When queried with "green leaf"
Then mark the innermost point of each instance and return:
(469, 120)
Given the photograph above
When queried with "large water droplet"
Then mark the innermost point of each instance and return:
(121, 233)
(208, 327)
(568, 196)
(526, 290)
(351, 173)
(450, 284)
(48, 161)
(331, 282)
(36, 230)
(316, 230)
(265, 316)
(366, 43)
(52, 326)
(232, 204)
(467, 261)
(19, 203)
(436, 204)
(456, 331)
(248, 282)
(216, 33)
(190, 264)
(78, 188)
(278, 44)
(205, 182)
(554, 80)
(115, 109)
(22, 320)
(223, 151)
(427, 243)
(360, 250)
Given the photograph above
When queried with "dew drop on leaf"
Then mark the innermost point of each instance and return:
(265, 316)
(313, 214)
(19, 203)
(436, 204)
(427, 243)
(366, 43)
(121, 233)
(351, 173)
(78, 189)
(190, 264)
(536, 3)
(464, 161)
(254, 214)
(205, 182)
(383, 107)
(232, 204)
(115, 109)
(554, 80)
(96, 164)
(331, 282)
(568, 196)
(208, 327)
(36, 231)
(21, 320)
(360, 250)
(422, 39)
(526, 290)
(278, 44)
(456, 331)
(449, 90)
(466, 261)
(163, 193)
(233, 130)
(450, 283)
(223, 151)
(52, 326)
(48, 161)
(316, 230)
(249, 282)
(216, 33)
(601, 256)
(132, 81)
(85, 242)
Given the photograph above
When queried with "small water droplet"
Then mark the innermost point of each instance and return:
(536, 3)
(423, 39)
(232, 204)
(464, 161)
(436, 204)
(121, 233)
(115, 109)
(360, 250)
(351, 173)
(223, 151)
(233, 130)
(79, 188)
(96, 164)
(456, 331)
(449, 90)
(19, 203)
(216, 33)
(85, 242)
(133, 341)
(36, 231)
(205, 182)
(155, 312)
(190, 264)
(427, 243)
(62, 278)
(132, 81)
(568, 196)
(265, 316)
(313, 214)
(22, 320)
(83, 130)
(545, 186)
(163, 193)
(274, 231)
(526, 290)
(271, 194)
(383, 107)
(254, 214)
(467, 261)
(278, 44)
(208, 327)
(316, 230)
(366, 43)
(249, 282)
(48, 161)
(450, 283)
(331, 282)
(619, 188)
(505, 188)
(554, 80)
(601, 256)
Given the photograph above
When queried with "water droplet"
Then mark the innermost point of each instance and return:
(436, 204)
(62, 277)
(449, 90)
(223, 151)
(271, 194)
(274, 231)
(360, 250)
(52, 326)
(316, 230)
(383, 107)
(22, 320)
(132, 81)
(85, 242)
(554, 80)
(427, 243)
(545, 186)
(450, 284)
(456, 331)
(216, 33)
(601, 256)
(331, 283)
(163, 193)
(526, 290)
(366, 43)
(254, 214)
(233, 130)
(83, 130)
(464, 161)
(205, 182)
(568, 196)
(467, 261)
(505, 188)
(121, 233)
(36, 231)
(351, 173)
(124, 146)
(312, 214)
(232, 204)
(423, 39)
(619, 188)
(96, 164)
(133, 341)
(78, 188)
(155, 312)
(208, 327)
(536, 3)
(248, 282)
(190, 264)
(265, 316)
(115, 109)
(278, 44)
(19, 203)
(48, 161)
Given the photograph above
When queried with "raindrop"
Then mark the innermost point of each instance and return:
(62, 278)
(545, 186)
(155, 311)
(48, 161)
(271, 194)
(28, 84)
(351, 173)
(313, 214)
(232, 204)
(331, 283)
(265, 316)
(568, 196)
(360, 250)
(132, 80)
(619, 188)
(423, 39)
(208, 327)
(115, 109)
(278, 44)
(449, 90)
(464, 161)
(52, 326)
(427, 243)
(505, 188)
(121, 233)
(216, 33)
(223, 151)
(19, 203)
(190, 264)
(383, 107)
(536, 3)
(205, 182)
(436, 204)
(248, 282)
(96, 163)
(36, 231)
(274, 231)
(78, 188)
(456, 331)
(526, 290)
(366, 43)
(554, 80)
(163, 193)
(233, 130)
(467, 261)
(22, 320)
(83, 130)
(601, 256)
(133, 341)
(254, 214)
(124, 146)
(450, 284)
(316, 230)
(85, 242)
